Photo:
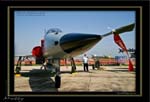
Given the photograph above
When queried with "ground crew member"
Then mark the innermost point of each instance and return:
(85, 63)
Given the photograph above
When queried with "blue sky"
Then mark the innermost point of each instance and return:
(30, 26)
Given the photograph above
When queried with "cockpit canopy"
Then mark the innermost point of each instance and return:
(54, 31)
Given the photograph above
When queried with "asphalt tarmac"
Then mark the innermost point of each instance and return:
(108, 79)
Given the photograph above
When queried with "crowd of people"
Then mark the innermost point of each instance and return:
(85, 60)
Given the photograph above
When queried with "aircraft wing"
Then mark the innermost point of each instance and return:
(24, 56)
(120, 30)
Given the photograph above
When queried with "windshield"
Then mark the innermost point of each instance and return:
(54, 30)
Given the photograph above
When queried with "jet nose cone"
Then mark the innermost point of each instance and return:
(76, 43)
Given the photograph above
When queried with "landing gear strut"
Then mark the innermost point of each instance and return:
(73, 66)
(18, 66)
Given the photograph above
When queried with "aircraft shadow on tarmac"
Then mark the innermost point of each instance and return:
(63, 72)
(111, 70)
(40, 81)
(120, 70)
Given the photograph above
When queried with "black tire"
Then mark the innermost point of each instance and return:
(97, 64)
(18, 70)
(57, 81)
(93, 66)
(73, 69)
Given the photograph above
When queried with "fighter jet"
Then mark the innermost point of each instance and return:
(56, 46)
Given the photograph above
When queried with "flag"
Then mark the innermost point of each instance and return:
(121, 44)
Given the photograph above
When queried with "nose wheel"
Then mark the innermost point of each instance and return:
(57, 81)
(55, 63)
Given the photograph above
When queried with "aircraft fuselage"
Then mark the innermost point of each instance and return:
(68, 45)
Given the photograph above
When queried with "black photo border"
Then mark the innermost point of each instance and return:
(12, 9)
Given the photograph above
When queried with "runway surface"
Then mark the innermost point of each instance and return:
(109, 79)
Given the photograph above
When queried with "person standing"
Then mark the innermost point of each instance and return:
(85, 63)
